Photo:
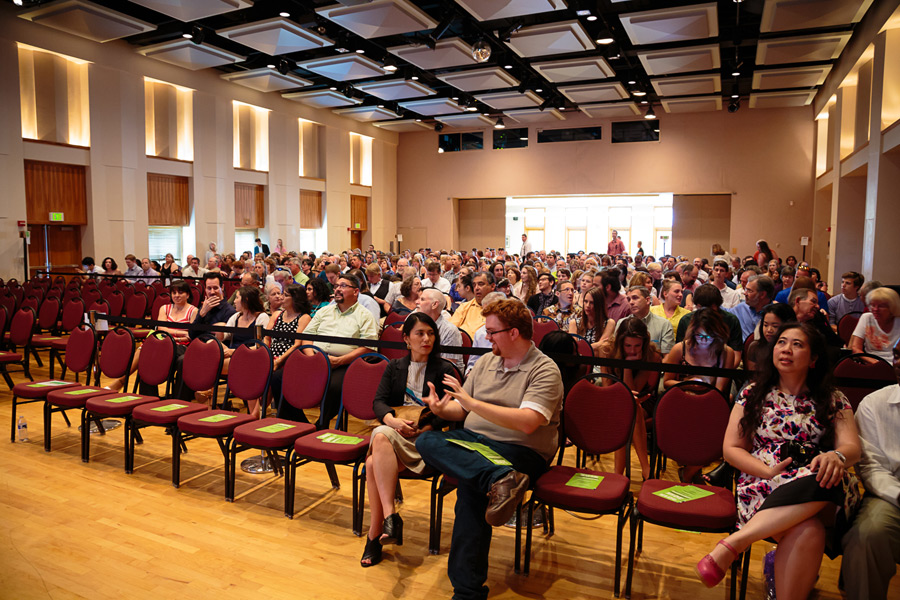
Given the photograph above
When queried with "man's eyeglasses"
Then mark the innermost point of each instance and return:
(345, 286)
(490, 333)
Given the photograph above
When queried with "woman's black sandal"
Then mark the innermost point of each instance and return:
(372, 552)
(392, 530)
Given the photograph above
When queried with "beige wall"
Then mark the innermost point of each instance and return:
(118, 167)
(763, 158)
(698, 222)
(482, 222)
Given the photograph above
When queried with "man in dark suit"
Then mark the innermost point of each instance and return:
(260, 248)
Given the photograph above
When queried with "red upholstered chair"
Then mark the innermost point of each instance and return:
(394, 317)
(597, 420)
(91, 295)
(155, 367)
(161, 300)
(689, 428)
(115, 359)
(135, 308)
(7, 302)
(72, 316)
(21, 329)
(195, 296)
(48, 323)
(393, 334)
(846, 326)
(151, 294)
(542, 326)
(116, 301)
(360, 384)
(853, 366)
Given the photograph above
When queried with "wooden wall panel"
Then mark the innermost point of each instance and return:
(55, 187)
(168, 200)
(310, 209)
(359, 212)
(249, 206)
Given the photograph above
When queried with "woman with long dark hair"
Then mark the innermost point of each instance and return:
(771, 318)
(705, 345)
(317, 293)
(593, 324)
(398, 405)
(763, 253)
(793, 437)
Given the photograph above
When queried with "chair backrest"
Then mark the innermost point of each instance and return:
(140, 285)
(158, 285)
(466, 338)
(54, 292)
(599, 419)
(195, 296)
(306, 378)
(202, 363)
(8, 302)
(59, 280)
(4, 324)
(150, 292)
(157, 362)
(393, 334)
(101, 306)
(847, 324)
(360, 384)
(116, 303)
(17, 292)
(584, 346)
(690, 427)
(48, 317)
(22, 327)
(394, 317)
(117, 353)
(121, 284)
(746, 349)
(250, 370)
(158, 304)
(71, 292)
(72, 314)
(556, 343)
(542, 326)
(81, 349)
(31, 301)
(854, 366)
(231, 286)
(91, 295)
(136, 306)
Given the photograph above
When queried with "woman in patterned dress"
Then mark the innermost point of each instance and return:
(791, 403)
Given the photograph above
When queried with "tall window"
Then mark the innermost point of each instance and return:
(534, 227)
(576, 229)
(244, 240)
(662, 226)
(164, 240)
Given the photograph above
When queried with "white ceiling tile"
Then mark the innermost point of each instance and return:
(345, 67)
(275, 36)
(535, 115)
(680, 60)
(466, 120)
(695, 22)
(488, 10)
(366, 113)
(781, 99)
(551, 38)
(688, 105)
(807, 48)
(607, 111)
(322, 98)
(774, 79)
(574, 69)
(480, 79)
(191, 10)
(396, 89)
(788, 15)
(433, 106)
(594, 92)
(379, 18)
(403, 126)
(452, 52)
(691, 85)
(266, 80)
(184, 53)
(87, 20)
(510, 99)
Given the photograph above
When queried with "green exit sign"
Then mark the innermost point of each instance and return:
(57, 216)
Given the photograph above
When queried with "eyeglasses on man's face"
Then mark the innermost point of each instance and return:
(492, 333)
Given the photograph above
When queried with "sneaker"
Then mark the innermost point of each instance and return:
(505, 495)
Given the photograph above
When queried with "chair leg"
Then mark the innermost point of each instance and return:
(6, 377)
(635, 517)
(48, 414)
(12, 420)
(85, 437)
(332, 474)
(529, 529)
(745, 570)
(177, 443)
(130, 432)
(66, 418)
(231, 472)
(289, 472)
(358, 492)
(37, 357)
(432, 546)
(617, 580)
(518, 549)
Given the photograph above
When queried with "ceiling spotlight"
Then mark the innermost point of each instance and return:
(734, 106)
(418, 120)
(415, 77)
(538, 90)
(360, 51)
(735, 96)
(604, 41)
(643, 102)
(186, 36)
(499, 124)
(472, 108)
(481, 51)
(582, 12)
(639, 93)
(381, 106)
(507, 66)
(592, 18)
(285, 66)
(524, 138)
(389, 64)
(197, 34)
(455, 98)
(270, 66)
(735, 73)
(18, 2)
(632, 82)
(341, 50)
(438, 126)
(615, 56)
(284, 14)
(333, 88)
(650, 114)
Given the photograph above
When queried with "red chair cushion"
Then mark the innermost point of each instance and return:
(282, 435)
(10, 357)
(59, 344)
(39, 389)
(75, 396)
(716, 512)
(46, 341)
(116, 404)
(213, 427)
(608, 497)
(165, 412)
(311, 446)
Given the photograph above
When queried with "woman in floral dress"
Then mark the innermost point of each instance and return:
(791, 404)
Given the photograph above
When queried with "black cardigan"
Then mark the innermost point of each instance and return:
(392, 388)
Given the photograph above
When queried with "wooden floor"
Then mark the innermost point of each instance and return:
(75, 530)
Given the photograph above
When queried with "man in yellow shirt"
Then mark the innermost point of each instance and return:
(468, 316)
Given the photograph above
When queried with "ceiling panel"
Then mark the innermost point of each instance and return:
(678, 24)
(680, 60)
(433, 106)
(510, 99)
(366, 113)
(87, 20)
(344, 67)
(781, 99)
(275, 36)
(787, 15)
(404, 125)
(191, 10)
(379, 18)
(775, 79)
(466, 120)
(447, 53)
(396, 89)
(606, 111)
(689, 105)
(535, 115)
(807, 48)
(480, 79)
(575, 69)
(549, 39)
(322, 98)
(690, 85)
(184, 53)
(594, 92)
(266, 80)
(488, 10)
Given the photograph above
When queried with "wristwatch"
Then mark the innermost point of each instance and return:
(841, 456)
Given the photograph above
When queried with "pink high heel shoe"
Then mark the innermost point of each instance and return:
(709, 572)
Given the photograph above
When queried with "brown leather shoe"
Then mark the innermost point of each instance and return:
(505, 495)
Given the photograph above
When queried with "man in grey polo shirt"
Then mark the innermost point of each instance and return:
(510, 403)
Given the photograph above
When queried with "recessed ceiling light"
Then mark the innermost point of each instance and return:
(360, 51)
(284, 14)
(455, 98)
(471, 108)
(381, 106)
(333, 88)
(639, 93)
(390, 68)
(582, 13)
(605, 41)
(418, 120)
(643, 102)
(486, 114)
(415, 77)
(592, 18)
(735, 73)
(270, 66)
(735, 96)
(539, 90)
(187, 36)
(524, 139)
(507, 66)
(632, 82)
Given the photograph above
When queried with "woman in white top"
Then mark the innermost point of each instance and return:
(879, 329)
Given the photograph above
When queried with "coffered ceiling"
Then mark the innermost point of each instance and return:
(407, 63)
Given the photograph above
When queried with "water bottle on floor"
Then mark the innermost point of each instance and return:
(22, 428)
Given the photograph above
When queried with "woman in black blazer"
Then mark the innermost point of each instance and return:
(398, 405)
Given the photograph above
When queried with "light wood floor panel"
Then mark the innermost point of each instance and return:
(74, 530)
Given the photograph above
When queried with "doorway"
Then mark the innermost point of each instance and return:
(55, 248)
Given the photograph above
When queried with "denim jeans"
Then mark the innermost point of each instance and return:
(471, 542)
